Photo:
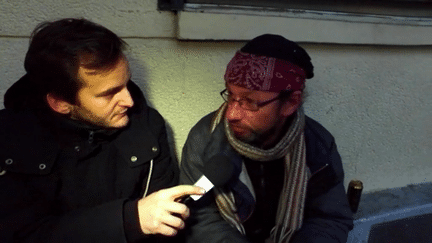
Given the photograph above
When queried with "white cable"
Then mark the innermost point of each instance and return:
(149, 177)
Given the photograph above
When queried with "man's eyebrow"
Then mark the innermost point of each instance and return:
(110, 91)
(244, 95)
(114, 90)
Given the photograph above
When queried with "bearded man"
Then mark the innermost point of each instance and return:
(288, 181)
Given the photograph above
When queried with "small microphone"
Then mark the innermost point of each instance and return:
(216, 172)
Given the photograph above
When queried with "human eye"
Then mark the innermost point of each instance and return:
(228, 95)
(250, 102)
(109, 94)
(247, 103)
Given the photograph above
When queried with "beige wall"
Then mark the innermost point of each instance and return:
(375, 99)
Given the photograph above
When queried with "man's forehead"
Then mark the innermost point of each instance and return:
(238, 90)
(106, 77)
(103, 71)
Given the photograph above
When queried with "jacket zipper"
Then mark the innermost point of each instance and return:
(148, 178)
(317, 171)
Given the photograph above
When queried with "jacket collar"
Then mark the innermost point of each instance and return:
(31, 143)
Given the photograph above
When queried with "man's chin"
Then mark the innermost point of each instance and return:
(123, 122)
(241, 134)
(246, 137)
(118, 123)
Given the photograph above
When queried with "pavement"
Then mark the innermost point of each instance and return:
(396, 215)
(416, 229)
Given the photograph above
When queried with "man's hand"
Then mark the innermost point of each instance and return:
(156, 210)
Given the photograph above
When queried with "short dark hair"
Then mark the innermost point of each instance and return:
(57, 50)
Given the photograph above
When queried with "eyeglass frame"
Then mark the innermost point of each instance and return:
(258, 104)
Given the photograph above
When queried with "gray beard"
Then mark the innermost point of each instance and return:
(259, 139)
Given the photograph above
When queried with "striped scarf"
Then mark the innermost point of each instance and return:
(292, 199)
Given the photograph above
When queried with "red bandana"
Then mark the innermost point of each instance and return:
(264, 73)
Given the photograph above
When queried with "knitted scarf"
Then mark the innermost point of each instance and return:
(292, 199)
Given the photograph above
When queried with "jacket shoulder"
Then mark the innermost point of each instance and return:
(315, 131)
(321, 149)
(194, 149)
(203, 125)
(25, 145)
(200, 132)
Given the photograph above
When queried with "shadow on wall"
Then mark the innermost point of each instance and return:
(139, 76)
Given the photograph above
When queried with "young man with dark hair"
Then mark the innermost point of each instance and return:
(82, 156)
(288, 182)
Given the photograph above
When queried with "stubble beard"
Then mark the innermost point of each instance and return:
(255, 138)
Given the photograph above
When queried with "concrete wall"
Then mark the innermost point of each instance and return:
(375, 99)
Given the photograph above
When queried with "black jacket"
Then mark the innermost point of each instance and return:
(62, 181)
(327, 218)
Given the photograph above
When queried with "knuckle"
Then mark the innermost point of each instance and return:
(154, 225)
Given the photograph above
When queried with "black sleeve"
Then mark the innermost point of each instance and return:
(26, 219)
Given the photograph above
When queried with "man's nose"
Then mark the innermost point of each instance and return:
(234, 111)
(125, 99)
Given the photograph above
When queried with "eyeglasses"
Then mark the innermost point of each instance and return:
(246, 103)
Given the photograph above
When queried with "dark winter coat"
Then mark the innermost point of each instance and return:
(327, 218)
(62, 181)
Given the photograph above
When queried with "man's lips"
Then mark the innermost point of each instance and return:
(238, 129)
(122, 114)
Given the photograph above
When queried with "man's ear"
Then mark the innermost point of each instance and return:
(58, 105)
(292, 104)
